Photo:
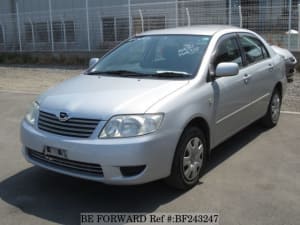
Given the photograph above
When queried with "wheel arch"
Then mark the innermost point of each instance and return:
(203, 125)
(174, 179)
(278, 87)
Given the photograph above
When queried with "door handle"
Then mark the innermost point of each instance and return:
(246, 78)
(271, 67)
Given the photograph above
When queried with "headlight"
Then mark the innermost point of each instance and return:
(291, 59)
(131, 125)
(32, 113)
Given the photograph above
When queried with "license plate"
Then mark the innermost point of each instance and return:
(55, 152)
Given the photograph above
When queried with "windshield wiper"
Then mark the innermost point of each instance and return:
(127, 73)
(116, 72)
(171, 74)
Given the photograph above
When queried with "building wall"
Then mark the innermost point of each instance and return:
(7, 26)
(108, 20)
(6, 6)
(34, 15)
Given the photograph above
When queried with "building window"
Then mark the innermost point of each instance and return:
(122, 27)
(41, 32)
(28, 32)
(115, 29)
(108, 25)
(70, 31)
(58, 32)
(61, 29)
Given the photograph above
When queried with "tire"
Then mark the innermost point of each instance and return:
(271, 118)
(190, 159)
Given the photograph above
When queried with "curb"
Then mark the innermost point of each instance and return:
(290, 112)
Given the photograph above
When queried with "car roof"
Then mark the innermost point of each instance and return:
(195, 30)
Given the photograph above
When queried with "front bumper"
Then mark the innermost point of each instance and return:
(154, 151)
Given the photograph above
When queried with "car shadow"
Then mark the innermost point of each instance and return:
(234, 144)
(61, 199)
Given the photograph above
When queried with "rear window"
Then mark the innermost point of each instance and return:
(254, 49)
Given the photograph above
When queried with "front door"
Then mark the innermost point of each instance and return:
(231, 94)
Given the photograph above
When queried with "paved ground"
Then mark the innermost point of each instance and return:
(33, 79)
(292, 97)
(252, 179)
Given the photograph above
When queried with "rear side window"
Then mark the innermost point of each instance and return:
(228, 51)
(254, 49)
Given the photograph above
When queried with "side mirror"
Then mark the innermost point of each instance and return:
(227, 69)
(93, 61)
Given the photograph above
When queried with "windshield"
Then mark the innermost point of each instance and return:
(155, 55)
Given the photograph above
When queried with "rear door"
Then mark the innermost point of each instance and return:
(260, 68)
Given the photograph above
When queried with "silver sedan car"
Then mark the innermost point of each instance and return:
(155, 106)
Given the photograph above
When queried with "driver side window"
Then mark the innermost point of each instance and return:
(228, 51)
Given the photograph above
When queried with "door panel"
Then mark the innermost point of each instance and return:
(231, 101)
(261, 68)
(260, 83)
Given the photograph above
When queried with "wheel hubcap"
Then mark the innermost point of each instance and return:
(275, 108)
(193, 158)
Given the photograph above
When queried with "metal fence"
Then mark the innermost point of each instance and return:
(96, 28)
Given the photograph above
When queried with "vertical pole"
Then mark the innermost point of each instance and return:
(115, 29)
(65, 33)
(88, 24)
(101, 28)
(241, 16)
(48, 30)
(32, 33)
(142, 19)
(188, 16)
(51, 25)
(298, 26)
(290, 24)
(129, 18)
(229, 12)
(18, 26)
(176, 13)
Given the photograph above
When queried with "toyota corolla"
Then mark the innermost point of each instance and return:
(155, 106)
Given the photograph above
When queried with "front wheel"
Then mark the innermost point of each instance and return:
(189, 160)
(272, 116)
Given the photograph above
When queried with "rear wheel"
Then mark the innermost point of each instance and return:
(189, 160)
(272, 116)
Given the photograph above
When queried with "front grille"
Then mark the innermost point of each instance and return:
(74, 127)
(66, 164)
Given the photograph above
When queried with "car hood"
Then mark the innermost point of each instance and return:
(101, 97)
